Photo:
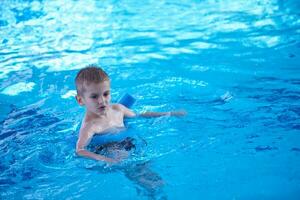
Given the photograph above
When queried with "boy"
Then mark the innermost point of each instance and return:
(93, 92)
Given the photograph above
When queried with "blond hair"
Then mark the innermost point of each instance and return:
(90, 74)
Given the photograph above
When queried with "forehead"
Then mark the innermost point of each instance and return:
(97, 87)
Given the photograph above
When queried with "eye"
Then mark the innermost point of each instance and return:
(94, 96)
(106, 94)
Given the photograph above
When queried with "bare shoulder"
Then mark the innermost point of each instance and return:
(118, 107)
(126, 111)
(87, 129)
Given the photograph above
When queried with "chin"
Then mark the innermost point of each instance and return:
(100, 113)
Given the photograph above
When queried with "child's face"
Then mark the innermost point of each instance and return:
(96, 97)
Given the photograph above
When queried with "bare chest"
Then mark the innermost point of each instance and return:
(108, 124)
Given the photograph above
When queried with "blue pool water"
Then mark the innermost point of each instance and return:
(232, 65)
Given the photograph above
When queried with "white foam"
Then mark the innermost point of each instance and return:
(16, 89)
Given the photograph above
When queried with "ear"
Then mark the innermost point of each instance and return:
(79, 100)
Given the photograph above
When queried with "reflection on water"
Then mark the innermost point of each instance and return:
(63, 36)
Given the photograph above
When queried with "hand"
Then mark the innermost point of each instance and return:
(111, 160)
(107, 160)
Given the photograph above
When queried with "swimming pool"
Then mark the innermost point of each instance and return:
(233, 65)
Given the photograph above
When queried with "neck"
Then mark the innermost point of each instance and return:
(91, 116)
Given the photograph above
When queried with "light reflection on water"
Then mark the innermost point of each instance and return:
(64, 36)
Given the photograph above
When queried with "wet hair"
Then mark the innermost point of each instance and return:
(90, 74)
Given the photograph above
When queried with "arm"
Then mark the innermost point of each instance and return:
(83, 141)
(160, 114)
(129, 113)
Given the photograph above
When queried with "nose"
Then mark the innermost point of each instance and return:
(101, 100)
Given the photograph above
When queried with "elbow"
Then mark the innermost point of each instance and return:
(79, 152)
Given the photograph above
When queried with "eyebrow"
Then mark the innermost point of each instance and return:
(97, 93)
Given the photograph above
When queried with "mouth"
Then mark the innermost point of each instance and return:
(101, 108)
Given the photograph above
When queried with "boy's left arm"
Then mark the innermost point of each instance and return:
(129, 113)
(160, 114)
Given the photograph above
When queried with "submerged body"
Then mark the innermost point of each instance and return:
(101, 117)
